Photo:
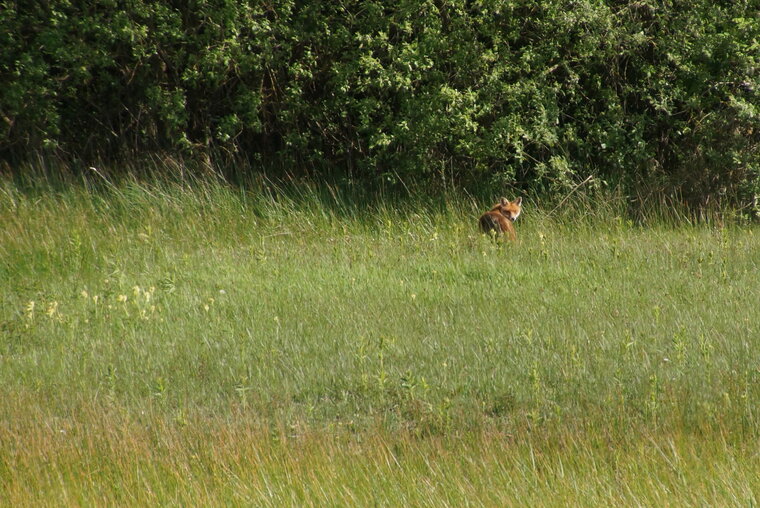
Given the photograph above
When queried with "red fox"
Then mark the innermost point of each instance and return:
(499, 219)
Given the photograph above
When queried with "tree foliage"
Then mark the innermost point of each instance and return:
(468, 92)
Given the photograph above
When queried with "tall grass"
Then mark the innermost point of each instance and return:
(108, 457)
(168, 343)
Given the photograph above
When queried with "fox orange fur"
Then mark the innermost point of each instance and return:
(499, 219)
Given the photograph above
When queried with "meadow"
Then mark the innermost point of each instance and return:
(207, 344)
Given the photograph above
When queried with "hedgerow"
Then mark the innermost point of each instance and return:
(652, 96)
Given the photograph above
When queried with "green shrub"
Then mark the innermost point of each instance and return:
(657, 97)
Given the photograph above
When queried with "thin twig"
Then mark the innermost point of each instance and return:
(590, 177)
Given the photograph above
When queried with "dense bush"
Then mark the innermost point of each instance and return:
(656, 96)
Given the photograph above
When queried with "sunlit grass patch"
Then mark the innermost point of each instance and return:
(592, 362)
(107, 455)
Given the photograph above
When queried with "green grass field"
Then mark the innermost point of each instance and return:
(207, 345)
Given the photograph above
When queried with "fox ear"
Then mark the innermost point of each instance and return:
(518, 201)
(504, 201)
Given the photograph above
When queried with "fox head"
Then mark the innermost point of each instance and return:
(509, 210)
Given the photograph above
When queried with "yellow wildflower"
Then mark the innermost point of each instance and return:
(29, 309)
